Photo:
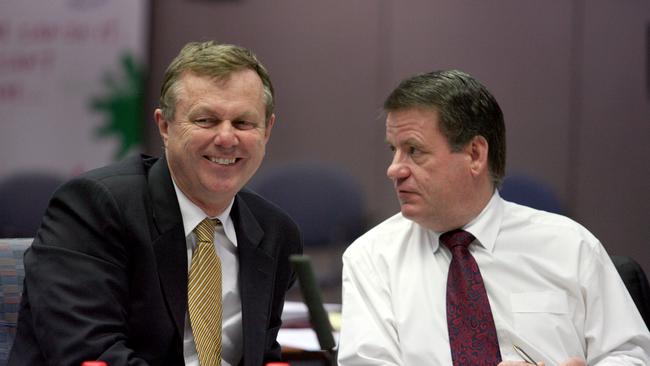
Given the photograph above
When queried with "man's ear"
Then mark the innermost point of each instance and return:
(162, 124)
(269, 127)
(478, 152)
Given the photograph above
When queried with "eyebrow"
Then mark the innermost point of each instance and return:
(409, 141)
(200, 110)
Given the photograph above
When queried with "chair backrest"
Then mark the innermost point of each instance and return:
(23, 200)
(327, 204)
(12, 274)
(530, 192)
(325, 201)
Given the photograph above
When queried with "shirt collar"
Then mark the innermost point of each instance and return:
(485, 226)
(192, 215)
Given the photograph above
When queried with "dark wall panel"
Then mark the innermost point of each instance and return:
(570, 76)
(613, 175)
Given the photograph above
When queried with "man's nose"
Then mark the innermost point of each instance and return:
(397, 168)
(226, 135)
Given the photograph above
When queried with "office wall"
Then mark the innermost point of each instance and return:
(569, 75)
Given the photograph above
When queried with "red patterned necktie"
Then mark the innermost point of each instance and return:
(472, 334)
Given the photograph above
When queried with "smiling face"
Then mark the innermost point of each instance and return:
(218, 137)
(438, 188)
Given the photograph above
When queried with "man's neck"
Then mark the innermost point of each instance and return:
(474, 207)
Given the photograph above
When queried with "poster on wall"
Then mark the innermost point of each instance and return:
(71, 83)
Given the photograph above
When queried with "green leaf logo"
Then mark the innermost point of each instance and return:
(122, 106)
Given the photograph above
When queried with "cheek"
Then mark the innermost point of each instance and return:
(256, 142)
(261, 147)
(426, 176)
(186, 146)
(192, 139)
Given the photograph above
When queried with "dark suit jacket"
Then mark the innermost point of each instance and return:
(106, 276)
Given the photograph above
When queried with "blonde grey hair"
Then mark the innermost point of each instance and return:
(216, 61)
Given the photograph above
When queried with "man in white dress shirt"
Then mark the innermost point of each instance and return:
(552, 289)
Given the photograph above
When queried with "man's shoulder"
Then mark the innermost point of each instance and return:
(533, 216)
(253, 199)
(134, 165)
(385, 236)
(545, 223)
(262, 208)
(279, 228)
(124, 180)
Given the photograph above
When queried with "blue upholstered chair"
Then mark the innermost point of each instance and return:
(327, 203)
(530, 192)
(324, 200)
(23, 199)
(12, 273)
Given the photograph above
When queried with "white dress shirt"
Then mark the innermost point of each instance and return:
(225, 241)
(552, 289)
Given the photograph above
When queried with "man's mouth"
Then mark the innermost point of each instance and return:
(403, 189)
(405, 193)
(222, 161)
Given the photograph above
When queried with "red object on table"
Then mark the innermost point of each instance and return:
(94, 363)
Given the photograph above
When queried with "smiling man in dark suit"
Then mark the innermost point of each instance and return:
(107, 275)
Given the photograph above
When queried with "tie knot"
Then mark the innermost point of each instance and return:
(455, 238)
(205, 230)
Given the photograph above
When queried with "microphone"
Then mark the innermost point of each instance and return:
(318, 317)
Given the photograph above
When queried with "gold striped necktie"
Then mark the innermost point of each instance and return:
(204, 295)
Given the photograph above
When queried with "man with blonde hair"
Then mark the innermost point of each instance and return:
(168, 261)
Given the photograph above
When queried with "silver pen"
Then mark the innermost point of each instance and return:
(524, 355)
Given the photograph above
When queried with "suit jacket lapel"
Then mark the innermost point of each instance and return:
(168, 238)
(255, 281)
(256, 267)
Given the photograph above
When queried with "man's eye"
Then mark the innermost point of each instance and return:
(413, 150)
(205, 122)
(244, 125)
